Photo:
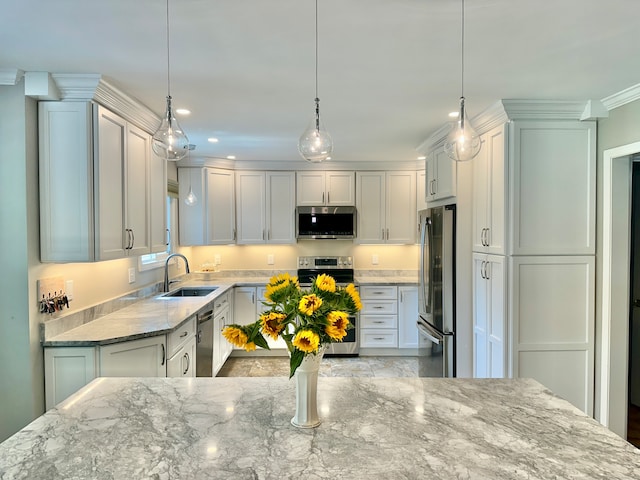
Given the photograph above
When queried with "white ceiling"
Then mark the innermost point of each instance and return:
(389, 70)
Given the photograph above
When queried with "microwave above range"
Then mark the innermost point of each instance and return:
(334, 223)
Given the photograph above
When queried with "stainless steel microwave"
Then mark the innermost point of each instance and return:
(325, 223)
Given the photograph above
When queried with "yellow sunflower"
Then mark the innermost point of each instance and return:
(272, 323)
(309, 304)
(250, 347)
(355, 296)
(326, 283)
(306, 341)
(235, 336)
(338, 323)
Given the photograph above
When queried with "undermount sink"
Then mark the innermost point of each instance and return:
(191, 292)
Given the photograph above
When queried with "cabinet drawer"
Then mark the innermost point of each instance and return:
(221, 317)
(180, 336)
(221, 302)
(379, 307)
(379, 292)
(370, 337)
(378, 321)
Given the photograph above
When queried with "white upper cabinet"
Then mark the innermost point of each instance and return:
(386, 205)
(265, 204)
(211, 220)
(441, 176)
(158, 233)
(489, 200)
(421, 193)
(553, 187)
(94, 184)
(318, 188)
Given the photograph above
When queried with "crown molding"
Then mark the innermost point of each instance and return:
(298, 165)
(623, 97)
(10, 76)
(93, 87)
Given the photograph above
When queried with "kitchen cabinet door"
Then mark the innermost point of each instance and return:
(67, 370)
(441, 176)
(421, 192)
(370, 203)
(552, 309)
(251, 202)
(137, 191)
(183, 363)
(280, 207)
(317, 188)
(220, 214)
(407, 317)
(490, 177)
(158, 233)
(137, 358)
(110, 169)
(489, 316)
(400, 211)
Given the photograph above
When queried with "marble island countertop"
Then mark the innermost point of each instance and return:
(372, 428)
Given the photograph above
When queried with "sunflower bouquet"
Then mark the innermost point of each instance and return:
(307, 319)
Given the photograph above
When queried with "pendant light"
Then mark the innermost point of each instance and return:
(170, 141)
(315, 143)
(462, 143)
(191, 199)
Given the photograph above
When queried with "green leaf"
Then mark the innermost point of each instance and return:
(296, 359)
(261, 342)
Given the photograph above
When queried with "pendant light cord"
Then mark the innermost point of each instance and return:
(168, 56)
(462, 56)
(317, 99)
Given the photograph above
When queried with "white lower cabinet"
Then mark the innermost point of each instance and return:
(183, 362)
(407, 317)
(379, 316)
(222, 316)
(553, 335)
(489, 316)
(146, 357)
(66, 370)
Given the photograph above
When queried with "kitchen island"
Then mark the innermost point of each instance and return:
(372, 428)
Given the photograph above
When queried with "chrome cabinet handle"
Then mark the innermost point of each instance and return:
(168, 236)
(163, 355)
(378, 321)
(387, 234)
(378, 307)
(328, 197)
(322, 197)
(186, 355)
(234, 234)
(482, 269)
(184, 334)
(487, 238)
(133, 238)
(486, 271)
(378, 338)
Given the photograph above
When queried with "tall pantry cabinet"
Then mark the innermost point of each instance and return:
(534, 246)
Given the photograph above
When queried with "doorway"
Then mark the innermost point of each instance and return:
(633, 416)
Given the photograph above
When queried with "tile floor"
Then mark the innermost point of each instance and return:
(330, 367)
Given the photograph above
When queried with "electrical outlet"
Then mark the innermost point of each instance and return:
(270, 259)
(132, 274)
(374, 259)
(217, 260)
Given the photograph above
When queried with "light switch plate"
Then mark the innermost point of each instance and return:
(374, 259)
(132, 274)
(270, 259)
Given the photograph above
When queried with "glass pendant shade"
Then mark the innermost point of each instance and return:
(315, 143)
(170, 141)
(463, 143)
(191, 198)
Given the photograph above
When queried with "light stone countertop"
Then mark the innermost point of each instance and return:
(158, 315)
(372, 428)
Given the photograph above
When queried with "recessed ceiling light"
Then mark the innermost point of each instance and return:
(231, 157)
(454, 114)
(422, 157)
(212, 140)
(182, 111)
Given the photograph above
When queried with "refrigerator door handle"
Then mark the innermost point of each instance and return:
(432, 335)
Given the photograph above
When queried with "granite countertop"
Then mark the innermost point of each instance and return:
(386, 280)
(372, 428)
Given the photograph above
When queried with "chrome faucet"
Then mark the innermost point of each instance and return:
(166, 268)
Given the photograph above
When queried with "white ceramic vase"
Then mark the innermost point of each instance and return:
(306, 378)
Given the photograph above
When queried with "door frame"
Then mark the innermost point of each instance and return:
(616, 245)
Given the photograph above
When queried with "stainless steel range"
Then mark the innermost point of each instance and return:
(341, 269)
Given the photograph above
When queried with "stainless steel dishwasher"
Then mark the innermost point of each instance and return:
(204, 346)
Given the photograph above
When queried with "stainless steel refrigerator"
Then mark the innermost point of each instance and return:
(436, 293)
